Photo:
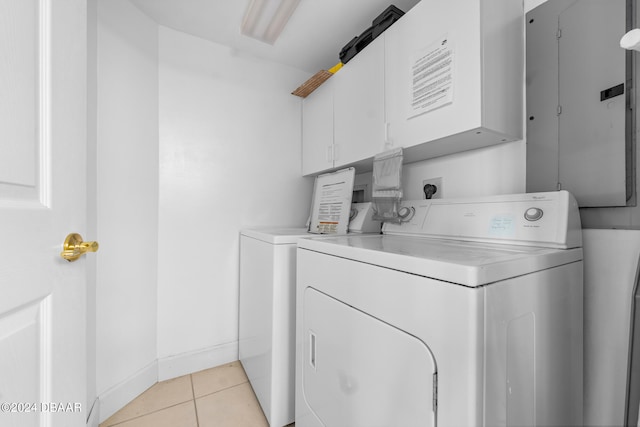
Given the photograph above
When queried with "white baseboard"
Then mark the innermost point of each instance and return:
(114, 399)
(194, 361)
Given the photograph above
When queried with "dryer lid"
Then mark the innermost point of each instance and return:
(466, 263)
(276, 236)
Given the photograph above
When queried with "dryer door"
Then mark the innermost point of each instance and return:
(361, 371)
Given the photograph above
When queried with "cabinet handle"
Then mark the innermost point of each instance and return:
(330, 153)
(388, 142)
(336, 152)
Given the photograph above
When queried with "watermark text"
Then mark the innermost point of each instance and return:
(22, 407)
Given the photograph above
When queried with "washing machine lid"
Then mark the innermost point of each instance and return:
(276, 236)
(465, 263)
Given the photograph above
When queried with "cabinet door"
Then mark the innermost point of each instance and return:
(591, 153)
(359, 106)
(420, 33)
(579, 127)
(317, 130)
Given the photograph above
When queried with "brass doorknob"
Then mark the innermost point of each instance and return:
(73, 247)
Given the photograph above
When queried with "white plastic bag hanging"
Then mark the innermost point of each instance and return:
(387, 185)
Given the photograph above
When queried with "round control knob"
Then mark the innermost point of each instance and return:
(406, 213)
(533, 214)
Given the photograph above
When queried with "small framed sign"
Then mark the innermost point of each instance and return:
(331, 203)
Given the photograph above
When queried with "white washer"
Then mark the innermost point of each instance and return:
(469, 314)
(266, 325)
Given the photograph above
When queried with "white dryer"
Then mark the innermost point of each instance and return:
(467, 314)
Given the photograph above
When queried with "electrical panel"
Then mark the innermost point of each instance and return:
(579, 83)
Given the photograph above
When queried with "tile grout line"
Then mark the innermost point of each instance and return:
(193, 394)
(193, 400)
(218, 391)
(149, 413)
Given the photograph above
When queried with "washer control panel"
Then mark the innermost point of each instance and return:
(537, 219)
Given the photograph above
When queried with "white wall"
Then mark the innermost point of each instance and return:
(127, 203)
(187, 152)
(487, 171)
(229, 158)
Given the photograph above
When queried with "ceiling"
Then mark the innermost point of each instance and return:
(311, 41)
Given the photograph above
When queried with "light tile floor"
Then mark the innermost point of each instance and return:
(220, 397)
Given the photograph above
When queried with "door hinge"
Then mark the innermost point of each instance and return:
(559, 110)
(435, 392)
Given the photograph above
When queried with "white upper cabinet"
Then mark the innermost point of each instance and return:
(446, 77)
(343, 120)
(359, 106)
(454, 76)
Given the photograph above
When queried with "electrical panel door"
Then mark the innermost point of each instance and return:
(578, 114)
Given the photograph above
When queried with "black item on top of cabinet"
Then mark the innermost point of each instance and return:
(385, 19)
(379, 25)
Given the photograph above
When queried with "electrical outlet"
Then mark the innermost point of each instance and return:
(437, 182)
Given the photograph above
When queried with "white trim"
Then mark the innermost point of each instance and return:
(114, 399)
(44, 97)
(94, 416)
(46, 357)
(194, 361)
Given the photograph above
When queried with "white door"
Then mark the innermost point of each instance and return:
(42, 199)
(359, 371)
